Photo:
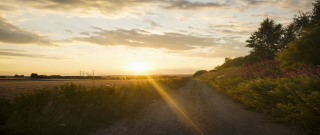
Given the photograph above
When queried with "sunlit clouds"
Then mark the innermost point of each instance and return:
(173, 36)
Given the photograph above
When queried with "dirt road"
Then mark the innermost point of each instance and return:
(197, 109)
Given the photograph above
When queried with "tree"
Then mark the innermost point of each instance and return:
(305, 50)
(308, 20)
(198, 73)
(267, 41)
(34, 75)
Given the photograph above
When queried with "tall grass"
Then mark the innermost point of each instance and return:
(76, 109)
(287, 96)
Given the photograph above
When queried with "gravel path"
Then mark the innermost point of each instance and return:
(197, 109)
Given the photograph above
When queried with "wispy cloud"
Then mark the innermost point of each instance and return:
(12, 34)
(138, 7)
(142, 38)
(187, 5)
(152, 23)
(85, 33)
(7, 8)
(69, 31)
(22, 53)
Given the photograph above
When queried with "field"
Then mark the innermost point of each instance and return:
(9, 87)
(77, 107)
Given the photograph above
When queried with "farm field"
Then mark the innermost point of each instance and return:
(9, 87)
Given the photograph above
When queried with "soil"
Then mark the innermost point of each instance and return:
(197, 109)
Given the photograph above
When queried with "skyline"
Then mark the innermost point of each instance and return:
(167, 37)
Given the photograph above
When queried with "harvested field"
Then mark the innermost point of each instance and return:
(9, 87)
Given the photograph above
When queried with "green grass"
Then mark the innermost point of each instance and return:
(76, 109)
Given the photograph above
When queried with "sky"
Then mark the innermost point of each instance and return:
(124, 37)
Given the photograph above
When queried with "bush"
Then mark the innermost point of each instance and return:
(287, 96)
(229, 62)
(200, 72)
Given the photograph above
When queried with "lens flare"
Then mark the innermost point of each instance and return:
(176, 106)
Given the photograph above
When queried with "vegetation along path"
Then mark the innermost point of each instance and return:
(197, 109)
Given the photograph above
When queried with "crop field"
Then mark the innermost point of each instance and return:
(9, 87)
(75, 107)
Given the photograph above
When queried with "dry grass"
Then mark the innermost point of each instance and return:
(9, 87)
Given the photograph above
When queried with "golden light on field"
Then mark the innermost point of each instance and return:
(138, 67)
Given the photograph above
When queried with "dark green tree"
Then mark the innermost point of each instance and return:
(200, 72)
(305, 50)
(308, 20)
(267, 41)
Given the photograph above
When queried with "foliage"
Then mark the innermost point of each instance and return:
(229, 62)
(307, 21)
(287, 96)
(304, 50)
(267, 40)
(76, 109)
(200, 72)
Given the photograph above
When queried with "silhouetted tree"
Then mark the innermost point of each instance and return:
(308, 20)
(305, 50)
(266, 41)
(200, 72)
(34, 75)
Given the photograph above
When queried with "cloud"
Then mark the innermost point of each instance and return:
(23, 53)
(294, 5)
(142, 38)
(12, 34)
(7, 8)
(122, 8)
(215, 53)
(69, 31)
(226, 31)
(187, 5)
(85, 33)
(231, 47)
(12, 50)
(152, 23)
(275, 16)
(96, 28)
(106, 7)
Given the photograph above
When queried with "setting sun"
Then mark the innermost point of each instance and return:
(138, 67)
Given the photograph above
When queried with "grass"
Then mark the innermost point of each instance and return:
(285, 96)
(77, 109)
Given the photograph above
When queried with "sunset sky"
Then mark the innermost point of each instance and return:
(113, 37)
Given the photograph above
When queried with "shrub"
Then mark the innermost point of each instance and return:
(287, 96)
(200, 72)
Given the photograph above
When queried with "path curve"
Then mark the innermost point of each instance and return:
(197, 109)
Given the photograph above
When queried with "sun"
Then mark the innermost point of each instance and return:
(138, 67)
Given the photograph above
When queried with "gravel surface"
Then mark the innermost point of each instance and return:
(197, 109)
